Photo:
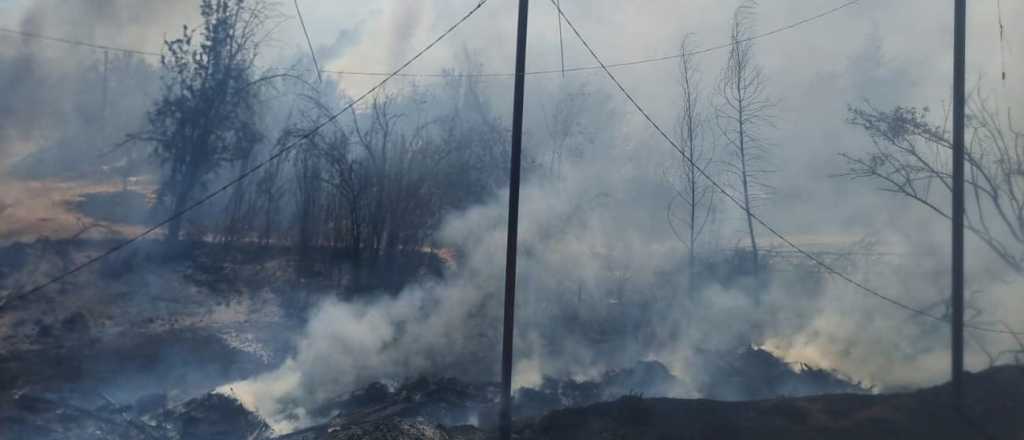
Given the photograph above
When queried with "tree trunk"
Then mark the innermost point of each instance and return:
(744, 176)
(180, 201)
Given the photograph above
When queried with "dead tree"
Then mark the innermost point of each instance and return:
(745, 112)
(309, 199)
(692, 189)
(350, 183)
(377, 142)
(237, 221)
(267, 201)
(912, 158)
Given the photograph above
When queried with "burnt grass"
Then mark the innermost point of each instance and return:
(136, 319)
(65, 373)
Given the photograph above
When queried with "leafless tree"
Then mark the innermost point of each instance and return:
(267, 201)
(376, 144)
(695, 193)
(309, 199)
(745, 112)
(237, 220)
(912, 157)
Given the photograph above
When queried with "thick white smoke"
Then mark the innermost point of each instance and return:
(602, 285)
(602, 279)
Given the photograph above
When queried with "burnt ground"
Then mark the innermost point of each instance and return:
(130, 348)
(133, 325)
(145, 322)
(411, 412)
(423, 409)
(994, 404)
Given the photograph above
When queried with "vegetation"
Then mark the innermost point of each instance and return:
(911, 158)
(744, 114)
(207, 115)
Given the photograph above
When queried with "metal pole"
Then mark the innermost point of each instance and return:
(513, 227)
(959, 50)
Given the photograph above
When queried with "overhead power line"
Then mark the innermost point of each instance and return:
(309, 42)
(561, 70)
(636, 62)
(249, 172)
(79, 43)
(814, 259)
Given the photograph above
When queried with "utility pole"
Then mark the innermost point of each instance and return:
(513, 227)
(959, 55)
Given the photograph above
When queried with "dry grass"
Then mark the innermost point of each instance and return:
(34, 209)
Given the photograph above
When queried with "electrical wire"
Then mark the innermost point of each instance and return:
(247, 173)
(561, 70)
(561, 41)
(817, 261)
(638, 61)
(309, 42)
(76, 42)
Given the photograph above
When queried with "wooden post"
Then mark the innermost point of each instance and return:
(959, 50)
(513, 226)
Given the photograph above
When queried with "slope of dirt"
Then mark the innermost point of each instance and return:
(995, 403)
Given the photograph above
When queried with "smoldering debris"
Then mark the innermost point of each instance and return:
(388, 429)
(994, 401)
(436, 409)
(449, 401)
(453, 402)
(423, 408)
(212, 417)
(753, 373)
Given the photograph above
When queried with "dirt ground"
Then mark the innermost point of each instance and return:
(34, 209)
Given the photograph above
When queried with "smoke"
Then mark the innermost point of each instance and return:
(602, 281)
(603, 284)
(58, 95)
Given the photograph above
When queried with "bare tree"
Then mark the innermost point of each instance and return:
(309, 199)
(376, 142)
(695, 193)
(269, 192)
(350, 181)
(745, 112)
(237, 219)
(912, 158)
(206, 116)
